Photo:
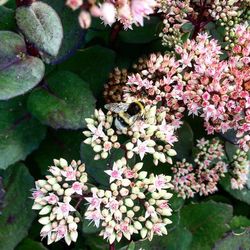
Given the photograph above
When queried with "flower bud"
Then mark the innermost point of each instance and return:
(137, 225)
(63, 163)
(171, 152)
(45, 210)
(142, 175)
(72, 226)
(130, 214)
(143, 233)
(84, 19)
(126, 182)
(138, 166)
(74, 235)
(129, 202)
(123, 209)
(44, 220)
(149, 224)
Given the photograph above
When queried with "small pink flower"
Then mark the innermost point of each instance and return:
(107, 145)
(70, 174)
(37, 194)
(94, 216)
(97, 132)
(129, 174)
(160, 182)
(115, 173)
(52, 198)
(65, 208)
(61, 232)
(150, 212)
(113, 205)
(77, 187)
(94, 201)
(157, 228)
(142, 148)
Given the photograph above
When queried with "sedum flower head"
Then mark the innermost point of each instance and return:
(53, 198)
(135, 203)
(201, 177)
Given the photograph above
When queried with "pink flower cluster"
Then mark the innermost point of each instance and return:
(53, 197)
(159, 83)
(127, 12)
(136, 203)
(201, 177)
(216, 90)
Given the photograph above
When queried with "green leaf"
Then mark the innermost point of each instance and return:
(93, 65)
(19, 72)
(207, 222)
(234, 242)
(242, 195)
(58, 144)
(185, 143)
(20, 133)
(239, 223)
(74, 35)
(95, 168)
(41, 26)
(168, 242)
(17, 215)
(64, 102)
(29, 244)
(139, 34)
(7, 20)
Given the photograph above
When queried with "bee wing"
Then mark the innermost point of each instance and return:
(117, 107)
(133, 119)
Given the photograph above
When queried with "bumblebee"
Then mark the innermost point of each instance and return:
(127, 113)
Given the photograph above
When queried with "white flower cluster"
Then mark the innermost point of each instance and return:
(101, 136)
(53, 197)
(148, 134)
(241, 167)
(137, 203)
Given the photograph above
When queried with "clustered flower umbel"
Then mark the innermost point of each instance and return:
(216, 90)
(53, 197)
(146, 136)
(229, 14)
(127, 12)
(158, 83)
(100, 134)
(240, 168)
(176, 14)
(137, 203)
(201, 177)
(152, 135)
